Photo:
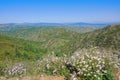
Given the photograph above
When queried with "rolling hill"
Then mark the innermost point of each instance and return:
(58, 37)
(62, 39)
(32, 44)
(108, 37)
(12, 49)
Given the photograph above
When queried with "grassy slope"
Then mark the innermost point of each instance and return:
(52, 38)
(14, 50)
(108, 37)
(47, 41)
(62, 40)
(41, 42)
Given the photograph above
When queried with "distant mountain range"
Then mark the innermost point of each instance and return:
(78, 24)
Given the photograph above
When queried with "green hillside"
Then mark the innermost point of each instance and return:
(62, 40)
(108, 37)
(37, 43)
(38, 46)
(55, 38)
(14, 50)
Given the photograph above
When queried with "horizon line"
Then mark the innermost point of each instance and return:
(62, 22)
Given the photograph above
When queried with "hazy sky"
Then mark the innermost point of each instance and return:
(99, 11)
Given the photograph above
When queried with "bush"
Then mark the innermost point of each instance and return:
(90, 67)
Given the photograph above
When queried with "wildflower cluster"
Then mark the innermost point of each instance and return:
(16, 70)
(53, 65)
(84, 64)
(89, 66)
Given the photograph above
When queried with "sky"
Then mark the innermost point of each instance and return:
(59, 11)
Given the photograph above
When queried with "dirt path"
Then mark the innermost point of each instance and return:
(117, 75)
(38, 78)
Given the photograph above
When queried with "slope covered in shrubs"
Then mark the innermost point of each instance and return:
(58, 51)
